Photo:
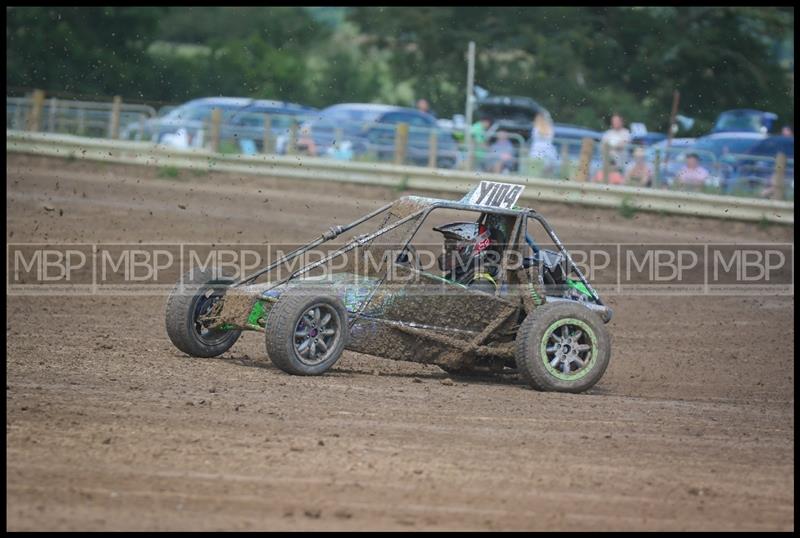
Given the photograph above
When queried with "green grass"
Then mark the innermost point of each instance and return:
(627, 209)
(764, 223)
(403, 185)
(168, 172)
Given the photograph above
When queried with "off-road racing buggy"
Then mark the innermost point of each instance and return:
(492, 301)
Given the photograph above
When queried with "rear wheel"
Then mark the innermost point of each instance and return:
(562, 347)
(191, 299)
(306, 334)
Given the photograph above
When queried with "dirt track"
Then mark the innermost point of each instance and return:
(111, 428)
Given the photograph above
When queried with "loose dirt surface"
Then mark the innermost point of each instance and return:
(109, 427)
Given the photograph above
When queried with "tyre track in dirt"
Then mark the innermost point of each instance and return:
(110, 427)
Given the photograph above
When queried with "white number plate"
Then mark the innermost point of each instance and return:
(492, 194)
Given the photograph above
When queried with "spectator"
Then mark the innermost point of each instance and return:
(478, 134)
(615, 177)
(639, 172)
(542, 140)
(692, 174)
(424, 106)
(787, 131)
(616, 138)
(305, 143)
(501, 158)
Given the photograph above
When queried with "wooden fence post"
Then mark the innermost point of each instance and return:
(433, 149)
(657, 169)
(214, 134)
(291, 144)
(52, 118)
(266, 146)
(400, 143)
(606, 162)
(35, 116)
(81, 121)
(564, 172)
(778, 179)
(587, 147)
(113, 127)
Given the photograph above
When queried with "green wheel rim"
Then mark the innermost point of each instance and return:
(569, 349)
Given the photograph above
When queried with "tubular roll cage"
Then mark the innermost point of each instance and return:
(519, 232)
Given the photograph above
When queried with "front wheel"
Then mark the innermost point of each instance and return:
(562, 347)
(306, 334)
(191, 299)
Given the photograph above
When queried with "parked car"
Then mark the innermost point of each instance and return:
(744, 120)
(648, 139)
(370, 129)
(242, 118)
(510, 114)
(753, 170)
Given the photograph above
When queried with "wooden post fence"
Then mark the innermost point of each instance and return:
(216, 121)
(400, 143)
(433, 149)
(779, 178)
(113, 126)
(587, 147)
(35, 116)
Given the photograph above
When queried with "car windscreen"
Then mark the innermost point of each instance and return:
(506, 112)
(739, 121)
(724, 146)
(350, 115)
(201, 112)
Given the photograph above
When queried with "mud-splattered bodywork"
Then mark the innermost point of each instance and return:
(397, 311)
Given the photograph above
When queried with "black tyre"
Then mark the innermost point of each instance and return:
(306, 334)
(191, 298)
(562, 347)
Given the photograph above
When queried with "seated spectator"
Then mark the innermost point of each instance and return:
(692, 174)
(639, 172)
(787, 131)
(305, 143)
(615, 177)
(501, 154)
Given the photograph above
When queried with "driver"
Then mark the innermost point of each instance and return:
(472, 251)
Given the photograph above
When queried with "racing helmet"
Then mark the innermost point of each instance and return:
(463, 243)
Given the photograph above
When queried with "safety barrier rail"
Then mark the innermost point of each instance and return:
(399, 176)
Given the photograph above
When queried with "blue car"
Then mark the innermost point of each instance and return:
(744, 120)
(242, 119)
(366, 129)
(753, 170)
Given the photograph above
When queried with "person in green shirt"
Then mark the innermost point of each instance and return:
(478, 133)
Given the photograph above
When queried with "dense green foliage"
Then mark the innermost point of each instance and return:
(580, 63)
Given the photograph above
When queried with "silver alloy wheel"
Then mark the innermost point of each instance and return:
(316, 333)
(571, 347)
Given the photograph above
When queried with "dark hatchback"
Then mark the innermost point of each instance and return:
(371, 129)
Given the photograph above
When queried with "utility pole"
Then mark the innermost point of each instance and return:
(676, 97)
(470, 81)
